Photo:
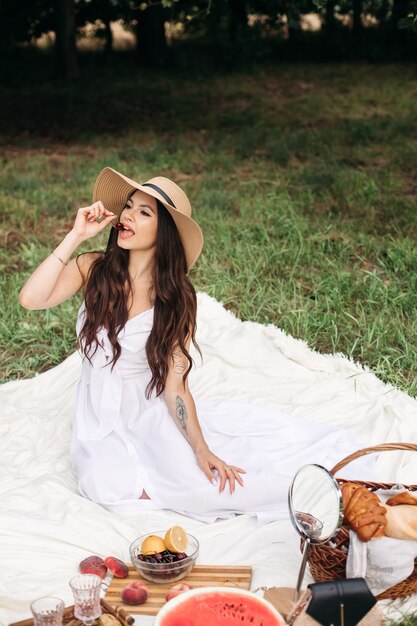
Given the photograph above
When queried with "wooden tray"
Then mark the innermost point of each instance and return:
(68, 619)
(201, 576)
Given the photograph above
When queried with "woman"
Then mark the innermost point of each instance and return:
(140, 441)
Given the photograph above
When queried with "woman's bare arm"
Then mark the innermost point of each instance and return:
(182, 408)
(180, 401)
(56, 279)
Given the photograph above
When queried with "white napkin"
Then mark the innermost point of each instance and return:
(384, 561)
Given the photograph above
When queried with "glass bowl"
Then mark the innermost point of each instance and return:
(164, 572)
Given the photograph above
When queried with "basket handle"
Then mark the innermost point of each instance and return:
(365, 451)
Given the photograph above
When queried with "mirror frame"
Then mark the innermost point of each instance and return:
(298, 527)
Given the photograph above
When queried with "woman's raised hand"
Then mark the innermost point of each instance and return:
(86, 224)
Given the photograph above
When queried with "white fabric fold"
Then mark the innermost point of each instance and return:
(105, 393)
(383, 562)
(101, 386)
(356, 562)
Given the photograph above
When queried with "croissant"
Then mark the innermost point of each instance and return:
(405, 497)
(363, 511)
(402, 516)
(401, 522)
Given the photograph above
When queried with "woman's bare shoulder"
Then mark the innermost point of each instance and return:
(85, 261)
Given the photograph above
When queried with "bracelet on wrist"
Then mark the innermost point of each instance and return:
(59, 258)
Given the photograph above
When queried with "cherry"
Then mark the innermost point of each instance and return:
(119, 226)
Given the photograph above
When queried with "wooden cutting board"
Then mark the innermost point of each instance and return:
(201, 576)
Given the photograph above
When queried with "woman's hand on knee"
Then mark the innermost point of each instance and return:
(207, 461)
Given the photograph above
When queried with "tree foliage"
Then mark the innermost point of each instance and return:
(233, 30)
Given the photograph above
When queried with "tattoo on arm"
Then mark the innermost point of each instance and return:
(181, 413)
(180, 362)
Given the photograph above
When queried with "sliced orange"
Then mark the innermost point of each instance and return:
(152, 545)
(176, 539)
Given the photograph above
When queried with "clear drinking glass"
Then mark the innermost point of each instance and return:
(86, 592)
(47, 611)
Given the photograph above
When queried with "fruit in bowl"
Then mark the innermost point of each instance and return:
(164, 556)
(213, 606)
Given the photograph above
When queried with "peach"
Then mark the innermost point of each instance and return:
(93, 565)
(117, 567)
(175, 590)
(138, 585)
(135, 595)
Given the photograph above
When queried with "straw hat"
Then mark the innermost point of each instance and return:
(114, 189)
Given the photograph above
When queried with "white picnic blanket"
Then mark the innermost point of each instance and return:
(47, 528)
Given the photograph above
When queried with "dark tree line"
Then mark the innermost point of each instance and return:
(215, 21)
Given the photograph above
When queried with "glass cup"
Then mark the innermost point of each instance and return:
(47, 611)
(86, 592)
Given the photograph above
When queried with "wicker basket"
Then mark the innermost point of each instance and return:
(328, 562)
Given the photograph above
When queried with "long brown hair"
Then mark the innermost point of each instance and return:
(108, 287)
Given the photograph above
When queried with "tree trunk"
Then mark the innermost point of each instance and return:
(329, 20)
(399, 10)
(382, 12)
(65, 47)
(151, 46)
(238, 18)
(357, 19)
(108, 37)
(357, 29)
(214, 19)
(290, 10)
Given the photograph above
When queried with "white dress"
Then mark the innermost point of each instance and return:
(123, 443)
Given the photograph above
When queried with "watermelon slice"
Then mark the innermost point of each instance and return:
(218, 607)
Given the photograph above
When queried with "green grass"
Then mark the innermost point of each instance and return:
(302, 178)
(404, 620)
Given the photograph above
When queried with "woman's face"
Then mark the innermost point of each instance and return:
(140, 217)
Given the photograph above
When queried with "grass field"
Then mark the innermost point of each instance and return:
(302, 178)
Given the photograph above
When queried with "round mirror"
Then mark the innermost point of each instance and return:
(315, 503)
(316, 509)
